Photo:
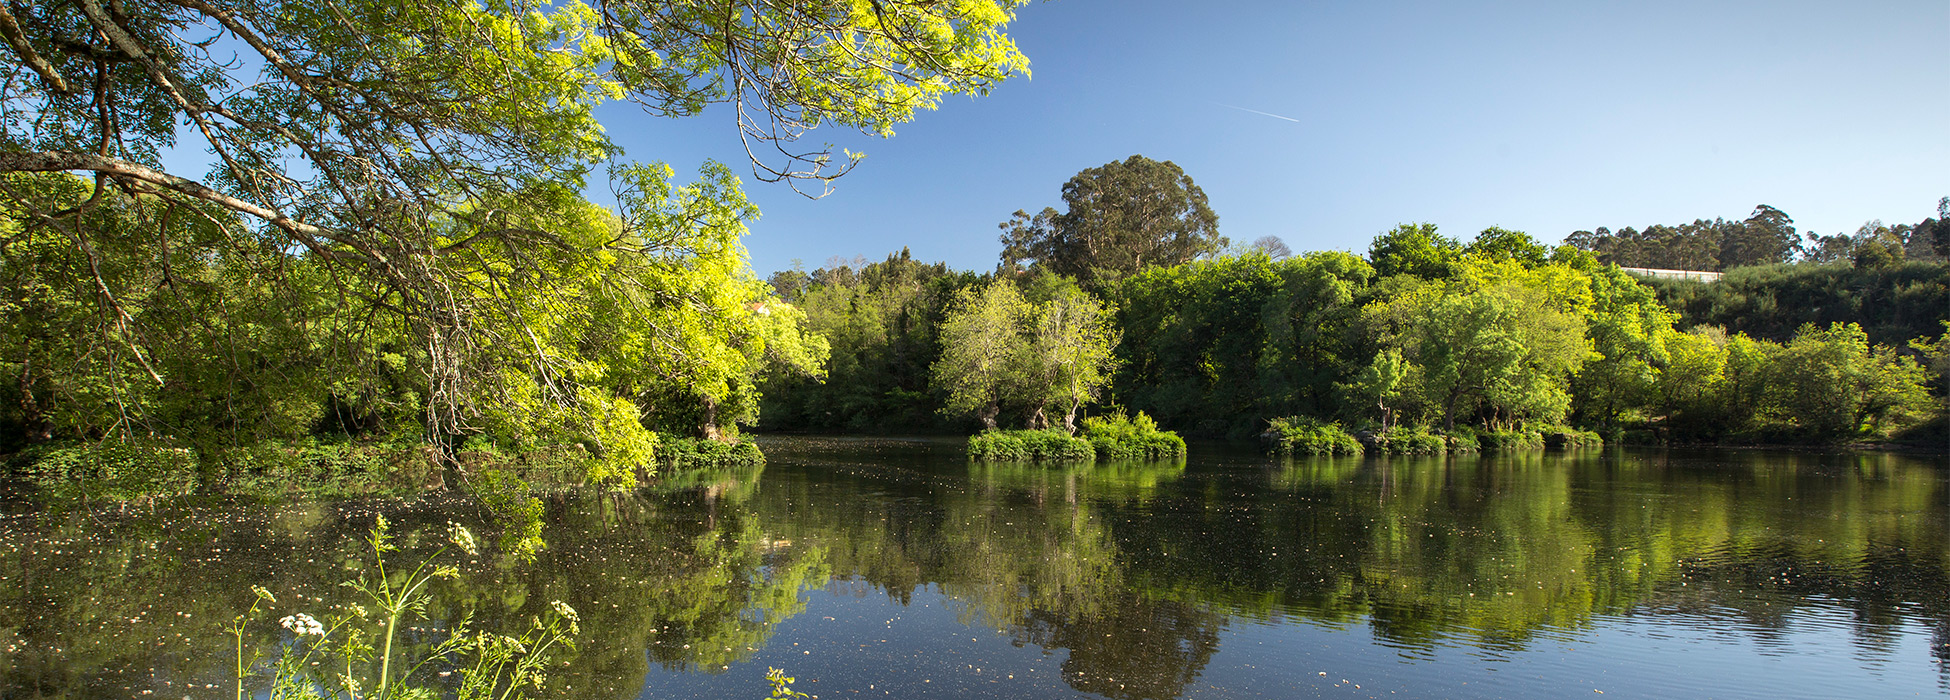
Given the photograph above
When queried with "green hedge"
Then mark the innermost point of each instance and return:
(1303, 435)
(1030, 445)
(1116, 436)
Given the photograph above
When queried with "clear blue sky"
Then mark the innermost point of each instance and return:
(1546, 117)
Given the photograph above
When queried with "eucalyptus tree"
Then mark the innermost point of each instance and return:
(425, 155)
(1121, 217)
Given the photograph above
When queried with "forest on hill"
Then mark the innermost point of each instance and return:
(1497, 334)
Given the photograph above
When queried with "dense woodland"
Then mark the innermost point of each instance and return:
(1495, 335)
(390, 259)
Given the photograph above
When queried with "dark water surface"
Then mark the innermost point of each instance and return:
(894, 568)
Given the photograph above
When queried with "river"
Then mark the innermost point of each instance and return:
(875, 567)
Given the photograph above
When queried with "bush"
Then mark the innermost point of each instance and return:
(1303, 435)
(678, 453)
(1571, 439)
(1409, 441)
(1118, 437)
(1462, 438)
(1511, 440)
(1030, 445)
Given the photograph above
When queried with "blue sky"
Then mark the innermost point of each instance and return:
(1546, 117)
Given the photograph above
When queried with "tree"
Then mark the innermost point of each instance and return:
(1381, 383)
(1504, 244)
(1413, 249)
(1122, 217)
(424, 155)
(1767, 236)
(1073, 339)
(1629, 331)
(982, 351)
(1835, 383)
(1272, 246)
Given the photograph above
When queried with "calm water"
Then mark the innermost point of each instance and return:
(890, 568)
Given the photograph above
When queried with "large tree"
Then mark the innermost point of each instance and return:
(1122, 217)
(424, 154)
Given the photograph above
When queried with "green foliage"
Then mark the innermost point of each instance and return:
(1510, 440)
(1214, 346)
(982, 351)
(998, 348)
(1119, 437)
(1413, 249)
(782, 685)
(484, 665)
(1417, 440)
(683, 454)
(1123, 217)
(113, 470)
(1766, 237)
(1304, 435)
(882, 321)
(1562, 438)
(1893, 304)
(1029, 446)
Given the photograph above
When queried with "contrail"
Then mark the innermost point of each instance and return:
(1255, 111)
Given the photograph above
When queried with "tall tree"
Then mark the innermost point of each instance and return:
(1413, 249)
(982, 350)
(419, 150)
(1073, 339)
(1767, 236)
(1122, 217)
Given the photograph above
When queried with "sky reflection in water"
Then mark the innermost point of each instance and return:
(889, 568)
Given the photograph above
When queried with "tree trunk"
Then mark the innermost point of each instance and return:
(987, 414)
(35, 423)
(708, 425)
(1070, 419)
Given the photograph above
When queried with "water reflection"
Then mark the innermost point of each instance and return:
(1136, 575)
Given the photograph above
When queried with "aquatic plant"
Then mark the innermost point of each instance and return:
(484, 665)
(1305, 435)
(1029, 445)
(1117, 436)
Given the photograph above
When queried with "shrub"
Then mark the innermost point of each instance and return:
(1571, 439)
(1511, 440)
(1029, 445)
(1303, 435)
(1463, 440)
(1409, 441)
(1116, 436)
(703, 453)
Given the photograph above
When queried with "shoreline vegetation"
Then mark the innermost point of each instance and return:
(1114, 437)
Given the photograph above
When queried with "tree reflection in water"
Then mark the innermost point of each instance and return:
(1134, 572)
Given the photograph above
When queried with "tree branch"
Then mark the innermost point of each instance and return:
(10, 28)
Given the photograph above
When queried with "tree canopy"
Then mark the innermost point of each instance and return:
(406, 175)
(1121, 217)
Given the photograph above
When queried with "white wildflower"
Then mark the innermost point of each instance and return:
(303, 625)
(462, 538)
(565, 611)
